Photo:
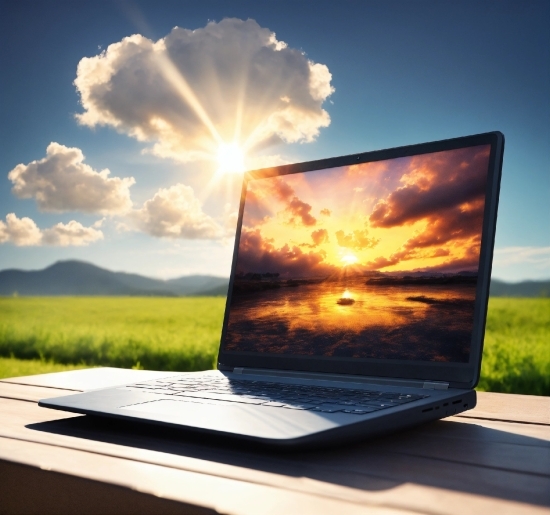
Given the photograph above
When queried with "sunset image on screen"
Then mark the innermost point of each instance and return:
(375, 260)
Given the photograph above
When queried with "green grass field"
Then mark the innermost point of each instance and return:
(13, 367)
(516, 355)
(152, 333)
(39, 335)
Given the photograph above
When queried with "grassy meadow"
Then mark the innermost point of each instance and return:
(516, 355)
(13, 367)
(154, 333)
(48, 334)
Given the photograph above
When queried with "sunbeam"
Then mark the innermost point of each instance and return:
(177, 80)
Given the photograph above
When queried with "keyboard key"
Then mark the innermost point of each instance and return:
(377, 404)
(328, 409)
(298, 406)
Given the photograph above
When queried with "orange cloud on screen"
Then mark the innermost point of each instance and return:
(319, 236)
(281, 189)
(356, 240)
(299, 209)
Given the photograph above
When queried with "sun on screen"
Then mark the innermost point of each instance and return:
(346, 295)
(230, 158)
(349, 259)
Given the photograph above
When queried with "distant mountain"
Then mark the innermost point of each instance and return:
(199, 285)
(522, 289)
(81, 278)
(218, 291)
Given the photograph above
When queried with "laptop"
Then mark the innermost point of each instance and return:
(356, 306)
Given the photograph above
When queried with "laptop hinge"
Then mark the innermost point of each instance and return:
(412, 383)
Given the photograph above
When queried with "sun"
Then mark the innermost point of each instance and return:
(230, 159)
(349, 259)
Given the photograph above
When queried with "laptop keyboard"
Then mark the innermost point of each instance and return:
(277, 395)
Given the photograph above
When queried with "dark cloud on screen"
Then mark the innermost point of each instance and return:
(448, 181)
(259, 255)
(447, 191)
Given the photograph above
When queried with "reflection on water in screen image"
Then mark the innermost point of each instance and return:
(354, 319)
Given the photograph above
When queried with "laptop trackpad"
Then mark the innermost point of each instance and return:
(232, 417)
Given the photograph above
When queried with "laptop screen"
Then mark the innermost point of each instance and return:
(377, 260)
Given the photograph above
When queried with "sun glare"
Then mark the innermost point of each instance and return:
(349, 259)
(230, 158)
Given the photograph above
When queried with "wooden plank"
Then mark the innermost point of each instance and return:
(362, 468)
(233, 496)
(510, 407)
(527, 459)
(30, 393)
(504, 432)
(31, 490)
(214, 493)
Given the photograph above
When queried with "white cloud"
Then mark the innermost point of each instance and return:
(23, 232)
(191, 90)
(175, 212)
(261, 161)
(63, 182)
(520, 263)
(231, 217)
(535, 256)
(528, 255)
(71, 234)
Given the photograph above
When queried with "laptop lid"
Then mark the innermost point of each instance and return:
(374, 264)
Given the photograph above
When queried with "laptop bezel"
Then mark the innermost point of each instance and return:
(458, 375)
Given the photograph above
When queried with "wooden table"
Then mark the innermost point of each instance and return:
(494, 459)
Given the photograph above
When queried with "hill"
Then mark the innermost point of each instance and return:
(522, 289)
(81, 278)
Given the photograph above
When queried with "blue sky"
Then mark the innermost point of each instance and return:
(402, 73)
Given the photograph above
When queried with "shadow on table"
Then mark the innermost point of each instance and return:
(464, 457)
